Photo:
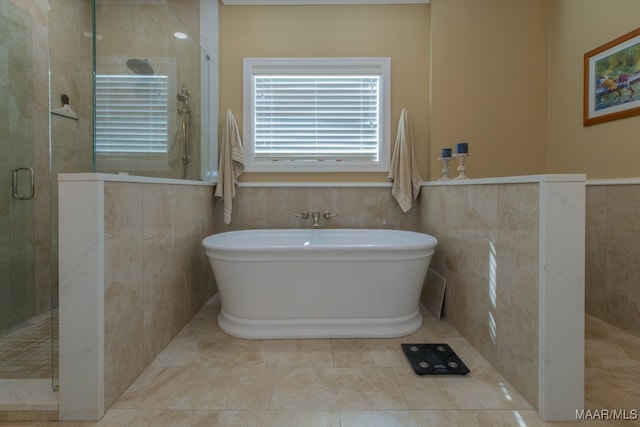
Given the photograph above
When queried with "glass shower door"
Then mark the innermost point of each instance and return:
(18, 308)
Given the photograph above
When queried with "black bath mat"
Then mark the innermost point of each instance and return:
(433, 359)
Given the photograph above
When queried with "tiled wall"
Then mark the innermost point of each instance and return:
(156, 273)
(499, 249)
(488, 251)
(264, 206)
(513, 257)
(613, 254)
(132, 274)
(501, 253)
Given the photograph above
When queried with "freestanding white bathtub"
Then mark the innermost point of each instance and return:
(319, 283)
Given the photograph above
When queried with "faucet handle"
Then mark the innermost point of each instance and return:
(303, 215)
(327, 214)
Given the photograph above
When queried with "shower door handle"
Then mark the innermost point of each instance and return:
(16, 176)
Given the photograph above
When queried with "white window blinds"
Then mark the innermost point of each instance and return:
(316, 114)
(317, 117)
(131, 114)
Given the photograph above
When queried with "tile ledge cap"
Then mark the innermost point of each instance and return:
(614, 181)
(511, 180)
(107, 177)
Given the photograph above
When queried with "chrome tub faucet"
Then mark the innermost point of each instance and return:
(315, 215)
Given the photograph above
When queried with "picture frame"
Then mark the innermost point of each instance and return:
(612, 80)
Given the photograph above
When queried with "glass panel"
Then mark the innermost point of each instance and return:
(147, 38)
(25, 280)
(71, 67)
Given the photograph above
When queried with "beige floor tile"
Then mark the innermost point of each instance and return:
(389, 353)
(523, 418)
(211, 308)
(365, 353)
(275, 418)
(225, 350)
(215, 418)
(25, 352)
(603, 353)
(297, 353)
(159, 418)
(200, 327)
(199, 388)
(207, 378)
(222, 350)
(599, 329)
(513, 418)
(433, 329)
(337, 388)
(480, 389)
(611, 388)
(413, 419)
(181, 351)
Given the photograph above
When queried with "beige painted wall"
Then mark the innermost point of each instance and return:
(489, 84)
(607, 150)
(400, 32)
(504, 76)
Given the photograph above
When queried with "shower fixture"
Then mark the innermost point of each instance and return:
(65, 110)
(183, 97)
(185, 112)
(140, 66)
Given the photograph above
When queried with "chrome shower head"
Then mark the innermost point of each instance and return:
(140, 66)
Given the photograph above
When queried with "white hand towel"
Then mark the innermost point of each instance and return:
(230, 166)
(404, 170)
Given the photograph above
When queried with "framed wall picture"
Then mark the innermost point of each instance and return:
(612, 80)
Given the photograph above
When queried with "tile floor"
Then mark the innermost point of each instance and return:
(26, 351)
(207, 378)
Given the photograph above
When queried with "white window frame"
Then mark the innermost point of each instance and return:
(317, 66)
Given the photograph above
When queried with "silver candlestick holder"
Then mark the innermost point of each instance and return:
(462, 165)
(445, 168)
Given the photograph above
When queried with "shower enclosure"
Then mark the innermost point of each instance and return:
(26, 346)
(149, 89)
(136, 77)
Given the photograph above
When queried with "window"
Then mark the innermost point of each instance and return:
(131, 114)
(320, 114)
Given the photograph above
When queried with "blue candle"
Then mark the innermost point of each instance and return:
(462, 148)
(446, 153)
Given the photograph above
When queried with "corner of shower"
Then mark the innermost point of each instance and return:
(151, 93)
(39, 144)
(27, 274)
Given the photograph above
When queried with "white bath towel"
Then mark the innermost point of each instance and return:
(230, 165)
(404, 170)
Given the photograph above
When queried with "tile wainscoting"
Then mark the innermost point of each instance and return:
(132, 274)
(356, 205)
(515, 290)
(612, 252)
(512, 250)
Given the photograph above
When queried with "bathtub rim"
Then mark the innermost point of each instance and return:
(420, 246)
